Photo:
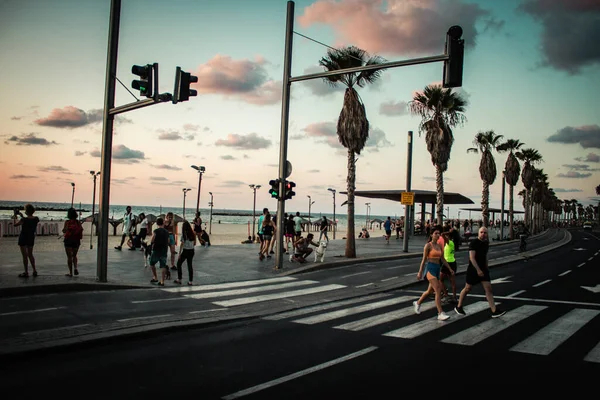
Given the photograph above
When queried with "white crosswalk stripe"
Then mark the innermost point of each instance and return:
(235, 292)
(276, 296)
(380, 319)
(227, 285)
(594, 354)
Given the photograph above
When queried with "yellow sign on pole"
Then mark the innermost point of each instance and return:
(407, 198)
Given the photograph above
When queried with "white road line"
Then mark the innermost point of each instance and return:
(228, 285)
(358, 273)
(581, 265)
(323, 307)
(542, 283)
(54, 329)
(564, 273)
(31, 311)
(430, 324)
(276, 296)
(351, 311)
(594, 354)
(486, 329)
(146, 317)
(298, 374)
(412, 273)
(397, 266)
(547, 339)
(366, 284)
(236, 292)
(590, 259)
(389, 279)
(211, 310)
(157, 300)
(383, 318)
(515, 294)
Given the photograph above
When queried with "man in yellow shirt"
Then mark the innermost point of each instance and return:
(449, 256)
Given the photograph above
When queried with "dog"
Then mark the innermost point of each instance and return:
(320, 252)
(147, 249)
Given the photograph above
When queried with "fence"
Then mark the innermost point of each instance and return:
(44, 228)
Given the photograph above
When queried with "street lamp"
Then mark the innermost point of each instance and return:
(73, 194)
(185, 190)
(334, 223)
(368, 210)
(310, 203)
(254, 187)
(200, 170)
(94, 175)
(210, 220)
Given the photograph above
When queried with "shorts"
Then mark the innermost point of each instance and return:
(472, 277)
(26, 240)
(388, 232)
(171, 239)
(72, 243)
(143, 233)
(289, 235)
(452, 265)
(267, 237)
(433, 269)
(160, 258)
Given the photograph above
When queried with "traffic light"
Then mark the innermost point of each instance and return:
(289, 192)
(144, 84)
(182, 91)
(455, 49)
(274, 191)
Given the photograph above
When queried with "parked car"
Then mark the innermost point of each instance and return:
(587, 226)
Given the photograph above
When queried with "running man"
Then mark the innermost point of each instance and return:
(478, 272)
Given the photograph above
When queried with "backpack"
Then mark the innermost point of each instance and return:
(74, 230)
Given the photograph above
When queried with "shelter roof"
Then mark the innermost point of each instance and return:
(492, 210)
(421, 196)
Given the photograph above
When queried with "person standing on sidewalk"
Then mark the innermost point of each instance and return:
(433, 255)
(478, 272)
(160, 246)
(72, 233)
(127, 225)
(27, 237)
(186, 253)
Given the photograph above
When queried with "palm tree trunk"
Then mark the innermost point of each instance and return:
(351, 182)
(439, 181)
(511, 191)
(485, 201)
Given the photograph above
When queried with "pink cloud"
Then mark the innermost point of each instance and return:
(67, 117)
(246, 80)
(395, 26)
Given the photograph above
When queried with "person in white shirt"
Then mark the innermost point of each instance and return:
(127, 225)
(186, 253)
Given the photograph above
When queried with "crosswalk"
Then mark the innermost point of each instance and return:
(392, 315)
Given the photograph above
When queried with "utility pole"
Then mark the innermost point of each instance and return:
(502, 207)
(407, 208)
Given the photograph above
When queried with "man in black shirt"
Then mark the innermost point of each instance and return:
(478, 272)
(160, 245)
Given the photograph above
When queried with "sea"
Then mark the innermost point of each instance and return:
(58, 212)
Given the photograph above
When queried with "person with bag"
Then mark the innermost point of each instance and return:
(72, 233)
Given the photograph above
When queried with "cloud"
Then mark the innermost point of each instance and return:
(244, 80)
(174, 135)
(30, 139)
(227, 157)
(319, 87)
(80, 153)
(250, 141)
(587, 136)
(561, 190)
(591, 157)
(162, 181)
(397, 26)
(23, 177)
(580, 167)
(575, 175)
(122, 154)
(232, 184)
(168, 167)
(195, 128)
(55, 168)
(570, 32)
(72, 117)
(324, 132)
(391, 108)
(313, 171)
(376, 140)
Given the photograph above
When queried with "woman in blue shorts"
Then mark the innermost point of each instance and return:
(431, 265)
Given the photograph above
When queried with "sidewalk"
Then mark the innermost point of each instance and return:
(215, 264)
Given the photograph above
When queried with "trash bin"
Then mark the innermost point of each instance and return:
(522, 242)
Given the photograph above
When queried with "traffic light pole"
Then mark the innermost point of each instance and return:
(408, 209)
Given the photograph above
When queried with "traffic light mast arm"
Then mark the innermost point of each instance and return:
(162, 98)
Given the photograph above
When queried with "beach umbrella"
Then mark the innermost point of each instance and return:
(176, 218)
(151, 218)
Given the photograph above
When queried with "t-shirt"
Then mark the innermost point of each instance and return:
(481, 249)
(127, 223)
(260, 223)
(74, 230)
(298, 224)
(161, 241)
(144, 224)
(449, 251)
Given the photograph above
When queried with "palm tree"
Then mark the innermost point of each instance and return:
(484, 143)
(440, 110)
(353, 126)
(529, 157)
(539, 188)
(512, 170)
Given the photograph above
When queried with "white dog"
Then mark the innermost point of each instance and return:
(320, 252)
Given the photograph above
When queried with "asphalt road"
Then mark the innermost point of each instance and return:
(364, 347)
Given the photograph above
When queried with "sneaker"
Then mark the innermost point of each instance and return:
(154, 281)
(190, 283)
(118, 247)
(459, 310)
(498, 313)
(442, 316)
(177, 281)
(417, 307)
(161, 284)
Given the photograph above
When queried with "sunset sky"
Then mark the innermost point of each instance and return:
(532, 72)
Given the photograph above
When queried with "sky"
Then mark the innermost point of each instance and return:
(532, 72)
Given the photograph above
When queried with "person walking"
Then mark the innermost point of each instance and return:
(127, 225)
(72, 233)
(171, 227)
(160, 246)
(449, 273)
(433, 258)
(268, 229)
(324, 227)
(186, 253)
(478, 272)
(26, 241)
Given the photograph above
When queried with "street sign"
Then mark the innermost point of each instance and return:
(407, 198)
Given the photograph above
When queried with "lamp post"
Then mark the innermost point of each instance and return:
(334, 222)
(200, 170)
(368, 211)
(73, 194)
(254, 187)
(94, 175)
(210, 219)
(310, 203)
(185, 190)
